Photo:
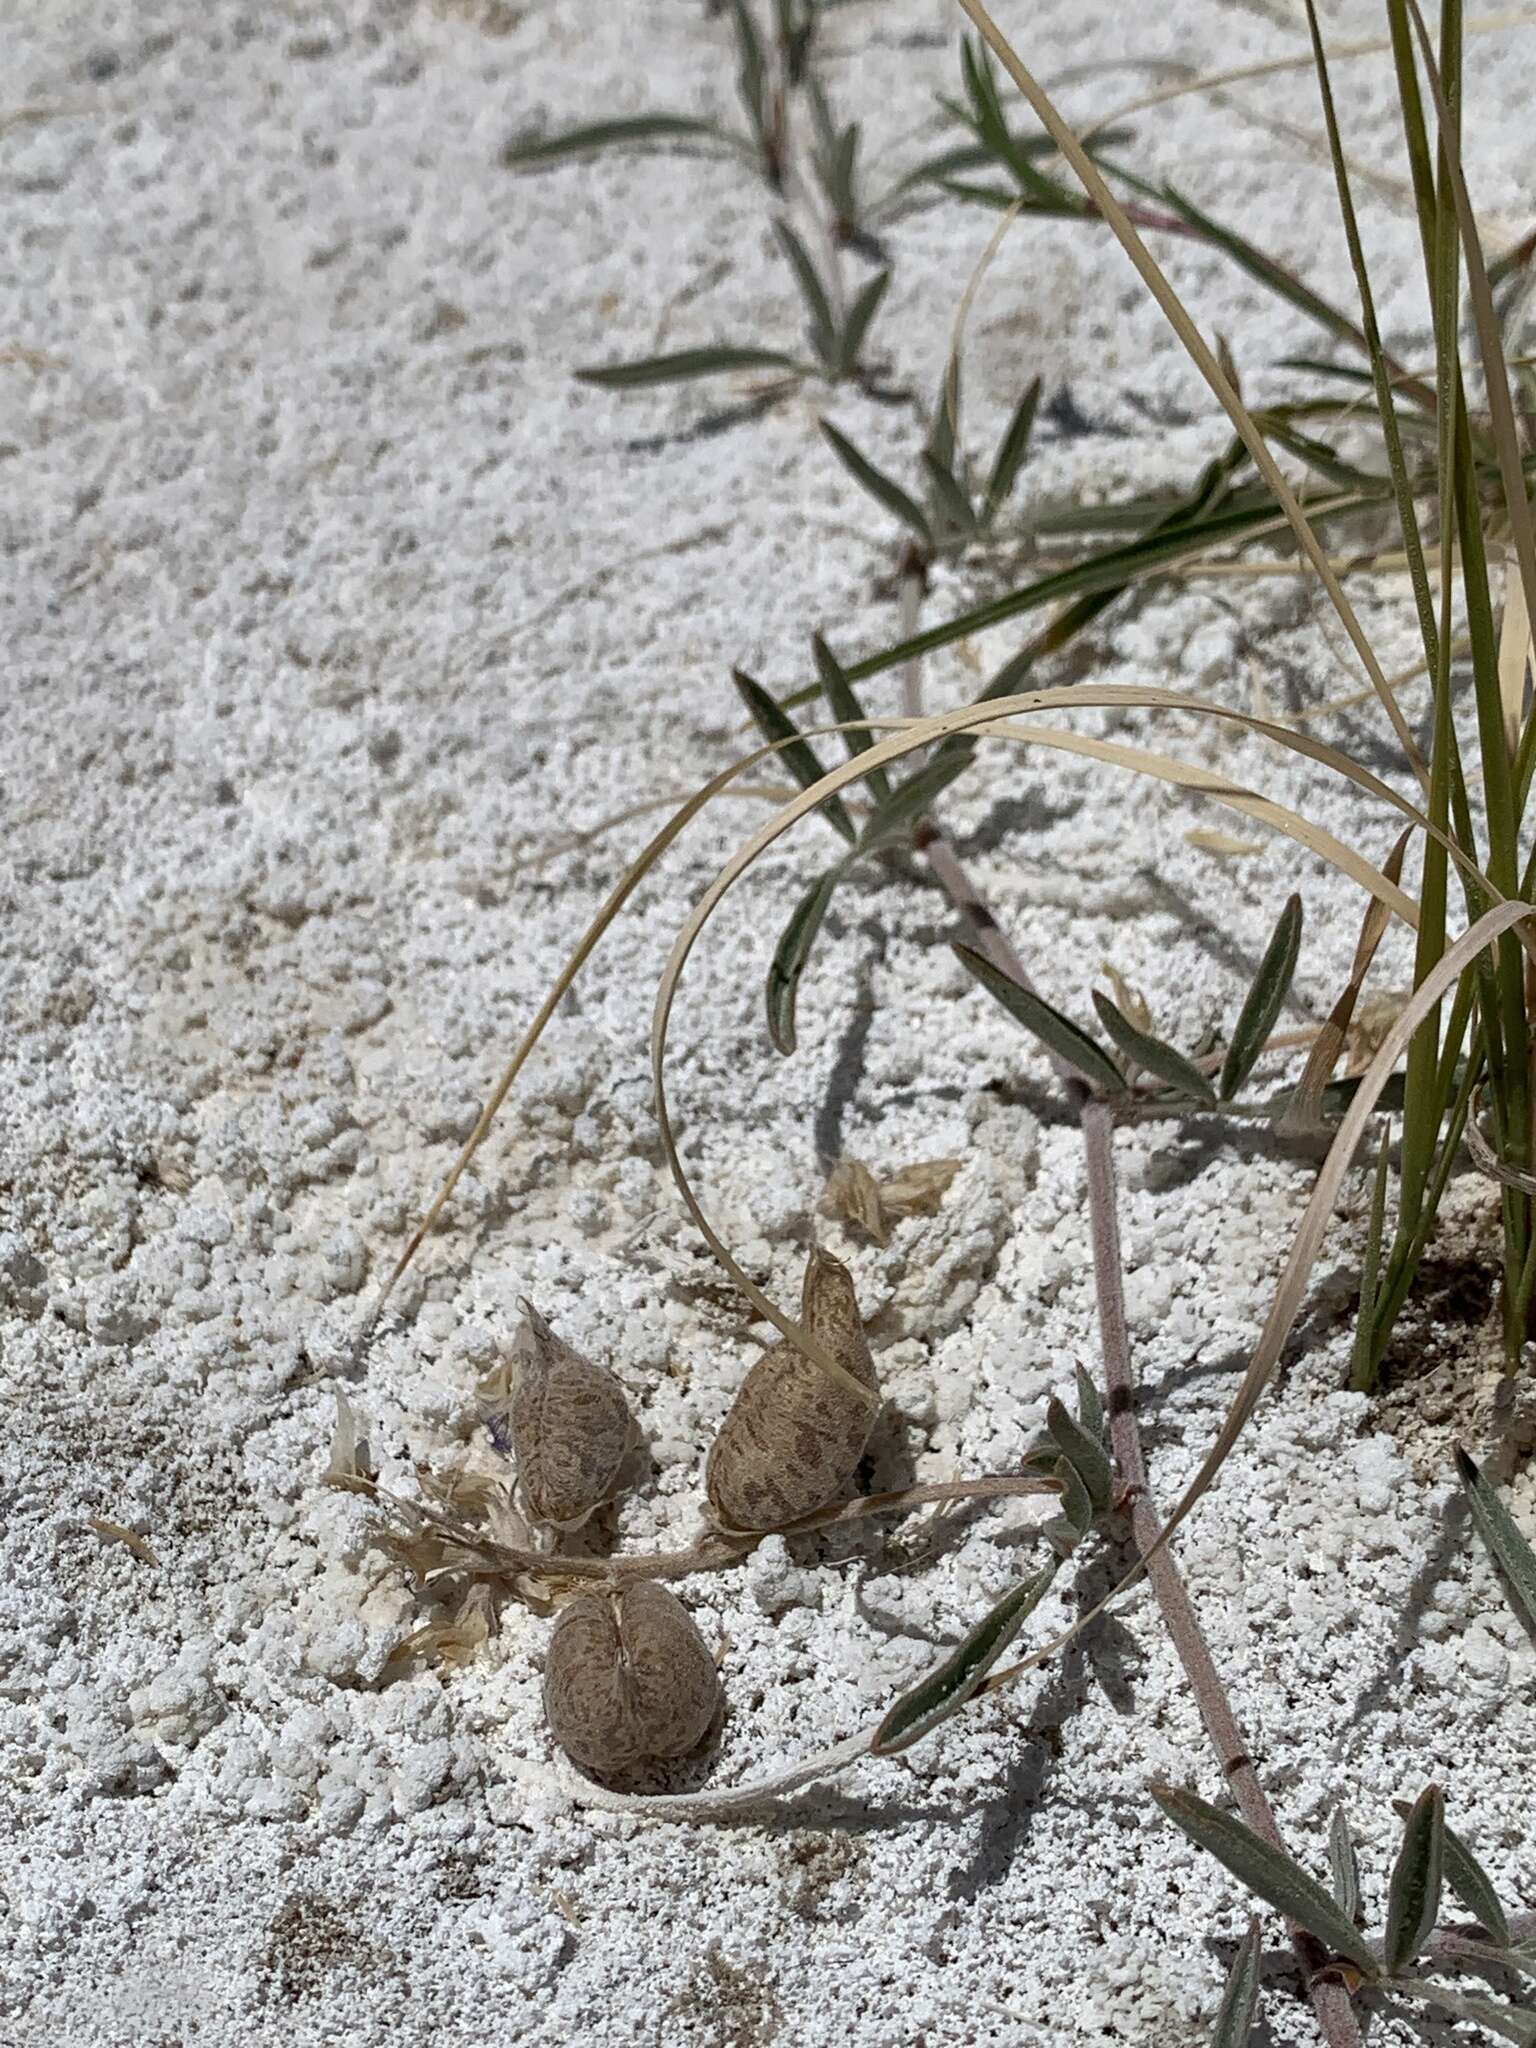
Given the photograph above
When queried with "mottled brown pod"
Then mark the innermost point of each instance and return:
(627, 1677)
(569, 1423)
(794, 1437)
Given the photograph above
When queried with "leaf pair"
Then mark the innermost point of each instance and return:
(952, 512)
(1139, 1048)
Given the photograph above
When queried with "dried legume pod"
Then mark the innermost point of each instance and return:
(627, 1677)
(794, 1436)
(569, 1423)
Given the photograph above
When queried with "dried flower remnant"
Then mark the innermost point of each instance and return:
(855, 1195)
(794, 1435)
(569, 1424)
(628, 1677)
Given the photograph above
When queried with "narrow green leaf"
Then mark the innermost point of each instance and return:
(845, 708)
(1011, 451)
(686, 363)
(908, 801)
(878, 484)
(524, 150)
(1362, 1371)
(791, 955)
(1268, 1872)
(1470, 1882)
(1474, 1887)
(817, 305)
(950, 503)
(1090, 1408)
(942, 441)
(1163, 1062)
(1239, 2002)
(1059, 1033)
(1084, 1453)
(1068, 1529)
(799, 756)
(1262, 1004)
(1344, 1865)
(1413, 1899)
(1501, 1538)
(860, 316)
(920, 1711)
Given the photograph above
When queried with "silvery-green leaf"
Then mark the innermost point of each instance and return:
(1261, 1006)
(1470, 1882)
(1344, 1865)
(685, 363)
(1063, 1037)
(878, 484)
(791, 955)
(1161, 1061)
(1234, 2018)
(860, 318)
(1413, 1899)
(1268, 1872)
(1084, 1453)
(1090, 1408)
(920, 1711)
(798, 756)
(847, 710)
(1501, 1538)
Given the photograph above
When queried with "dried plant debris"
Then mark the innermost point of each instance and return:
(115, 1532)
(794, 1435)
(628, 1678)
(855, 1195)
(569, 1425)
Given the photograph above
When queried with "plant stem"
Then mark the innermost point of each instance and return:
(1330, 2001)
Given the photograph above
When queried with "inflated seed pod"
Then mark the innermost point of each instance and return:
(794, 1436)
(569, 1423)
(627, 1677)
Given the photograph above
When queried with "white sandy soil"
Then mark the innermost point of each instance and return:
(332, 607)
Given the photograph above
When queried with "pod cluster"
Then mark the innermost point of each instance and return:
(628, 1678)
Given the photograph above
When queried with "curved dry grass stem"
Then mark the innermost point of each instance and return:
(1204, 359)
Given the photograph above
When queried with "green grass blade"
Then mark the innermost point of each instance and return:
(846, 708)
(885, 492)
(1053, 1030)
(799, 756)
(1261, 1006)
(525, 151)
(1501, 1538)
(1239, 2002)
(1268, 1872)
(791, 956)
(1161, 1061)
(1362, 1368)
(861, 316)
(684, 364)
(1011, 451)
(938, 1696)
(943, 444)
(1413, 1898)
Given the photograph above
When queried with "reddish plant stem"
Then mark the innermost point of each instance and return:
(1330, 2001)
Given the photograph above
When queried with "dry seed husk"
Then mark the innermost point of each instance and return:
(569, 1423)
(794, 1436)
(628, 1677)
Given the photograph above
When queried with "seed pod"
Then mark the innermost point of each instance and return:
(628, 1676)
(569, 1423)
(794, 1437)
